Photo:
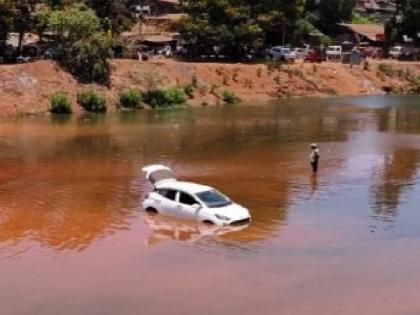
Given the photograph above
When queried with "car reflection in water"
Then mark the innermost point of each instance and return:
(169, 228)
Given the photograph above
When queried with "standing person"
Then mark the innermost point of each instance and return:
(314, 157)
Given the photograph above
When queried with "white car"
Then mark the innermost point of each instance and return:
(165, 51)
(334, 52)
(300, 52)
(396, 52)
(190, 201)
(281, 53)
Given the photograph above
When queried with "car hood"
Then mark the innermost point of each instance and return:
(233, 211)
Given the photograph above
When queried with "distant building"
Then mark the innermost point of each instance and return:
(374, 34)
(381, 10)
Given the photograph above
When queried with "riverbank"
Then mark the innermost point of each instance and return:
(26, 88)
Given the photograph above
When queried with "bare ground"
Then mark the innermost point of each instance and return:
(26, 88)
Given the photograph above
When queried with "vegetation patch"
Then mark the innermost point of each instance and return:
(386, 69)
(92, 101)
(229, 97)
(60, 103)
(130, 98)
(82, 47)
(165, 98)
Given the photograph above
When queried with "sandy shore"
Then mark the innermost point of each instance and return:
(26, 88)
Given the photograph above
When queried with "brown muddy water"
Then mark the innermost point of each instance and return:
(74, 238)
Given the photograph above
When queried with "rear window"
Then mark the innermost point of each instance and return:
(168, 193)
(161, 175)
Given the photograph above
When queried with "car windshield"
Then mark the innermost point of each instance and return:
(213, 199)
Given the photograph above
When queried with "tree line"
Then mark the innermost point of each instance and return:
(242, 26)
(83, 32)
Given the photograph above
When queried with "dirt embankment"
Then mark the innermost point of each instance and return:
(26, 88)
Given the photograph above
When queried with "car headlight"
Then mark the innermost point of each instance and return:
(222, 217)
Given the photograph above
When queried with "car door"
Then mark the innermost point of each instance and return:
(168, 202)
(186, 206)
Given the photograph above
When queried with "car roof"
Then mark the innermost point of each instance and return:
(187, 187)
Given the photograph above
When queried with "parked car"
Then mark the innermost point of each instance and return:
(23, 59)
(334, 52)
(404, 53)
(281, 53)
(301, 52)
(165, 51)
(395, 52)
(189, 200)
(314, 57)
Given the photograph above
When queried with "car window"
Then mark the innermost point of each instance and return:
(168, 193)
(214, 199)
(186, 199)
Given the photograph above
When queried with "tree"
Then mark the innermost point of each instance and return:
(5, 16)
(230, 26)
(279, 18)
(239, 26)
(18, 15)
(82, 47)
(325, 14)
(407, 20)
(69, 26)
(113, 13)
(87, 59)
(41, 23)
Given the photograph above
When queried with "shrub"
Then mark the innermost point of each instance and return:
(130, 98)
(87, 59)
(165, 98)
(82, 47)
(155, 98)
(386, 69)
(176, 96)
(229, 97)
(60, 103)
(92, 101)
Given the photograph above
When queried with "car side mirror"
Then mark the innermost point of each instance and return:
(196, 206)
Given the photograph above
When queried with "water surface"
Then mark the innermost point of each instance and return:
(75, 240)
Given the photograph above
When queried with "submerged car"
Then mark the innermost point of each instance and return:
(189, 200)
